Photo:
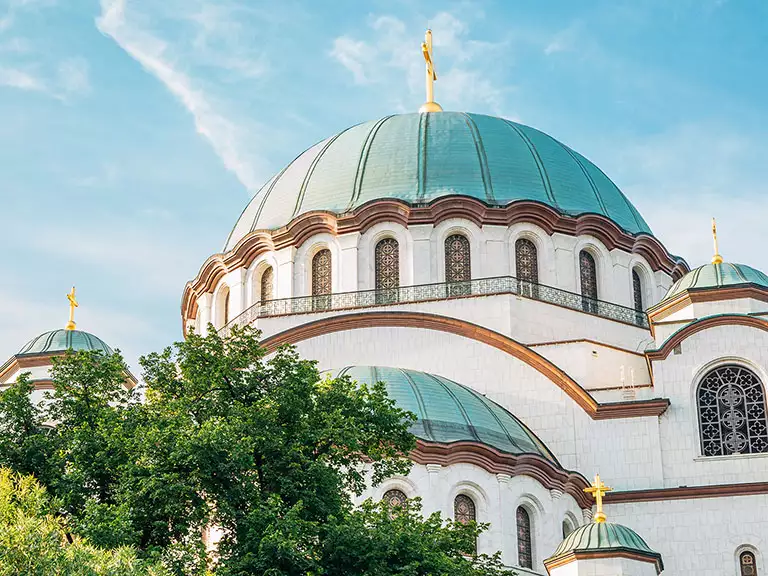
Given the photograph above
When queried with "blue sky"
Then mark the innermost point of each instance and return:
(134, 132)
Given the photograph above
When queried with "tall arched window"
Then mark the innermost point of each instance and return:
(588, 275)
(321, 280)
(226, 309)
(464, 509)
(387, 258)
(637, 291)
(458, 266)
(748, 564)
(732, 413)
(266, 288)
(524, 547)
(527, 268)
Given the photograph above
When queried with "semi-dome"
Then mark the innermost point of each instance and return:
(604, 538)
(62, 340)
(712, 276)
(448, 412)
(418, 158)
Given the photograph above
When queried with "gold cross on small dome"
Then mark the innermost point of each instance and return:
(72, 305)
(426, 49)
(598, 490)
(716, 259)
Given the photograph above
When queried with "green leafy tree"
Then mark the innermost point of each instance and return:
(35, 542)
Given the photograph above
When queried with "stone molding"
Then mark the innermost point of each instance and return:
(307, 225)
(666, 308)
(596, 410)
(45, 359)
(552, 563)
(687, 492)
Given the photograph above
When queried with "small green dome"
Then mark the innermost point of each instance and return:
(605, 537)
(418, 158)
(448, 412)
(711, 276)
(62, 340)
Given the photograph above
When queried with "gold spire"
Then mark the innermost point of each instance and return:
(716, 259)
(72, 305)
(598, 490)
(426, 49)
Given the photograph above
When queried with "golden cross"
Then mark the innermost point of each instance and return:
(72, 305)
(716, 259)
(426, 49)
(598, 490)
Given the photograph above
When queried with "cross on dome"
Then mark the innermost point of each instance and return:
(426, 49)
(716, 259)
(72, 305)
(598, 490)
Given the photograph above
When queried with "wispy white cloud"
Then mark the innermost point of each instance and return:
(22, 80)
(153, 53)
(73, 77)
(463, 64)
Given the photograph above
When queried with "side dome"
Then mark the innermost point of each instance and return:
(604, 538)
(418, 158)
(713, 276)
(449, 412)
(62, 340)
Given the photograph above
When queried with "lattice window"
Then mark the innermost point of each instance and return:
(732, 412)
(637, 291)
(267, 282)
(588, 274)
(748, 564)
(464, 509)
(387, 264)
(458, 266)
(321, 273)
(524, 547)
(527, 268)
(395, 498)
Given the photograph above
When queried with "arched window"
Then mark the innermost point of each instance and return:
(588, 274)
(567, 528)
(637, 291)
(458, 266)
(387, 258)
(524, 548)
(464, 509)
(527, 268)
(321, 280)
(226, 309)
(395, 498)
(266, 288)
(732, 414)
(748, 564)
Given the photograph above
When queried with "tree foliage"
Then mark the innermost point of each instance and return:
(266, 449)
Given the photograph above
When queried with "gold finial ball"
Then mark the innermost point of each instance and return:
(600, 517)
(430, 107)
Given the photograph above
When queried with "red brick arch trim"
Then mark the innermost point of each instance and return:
(549, 475)
(704, 324)
(596, 410)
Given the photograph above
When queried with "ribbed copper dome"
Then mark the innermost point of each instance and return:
(62, 340)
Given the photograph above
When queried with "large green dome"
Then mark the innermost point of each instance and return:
(448, 412)
(713, 276)
(62, 340)
(419, 158)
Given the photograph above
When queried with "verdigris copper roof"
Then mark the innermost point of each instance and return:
(605, 537)
(449, 412)
(711, 276)
(419, 158)
(61, 340)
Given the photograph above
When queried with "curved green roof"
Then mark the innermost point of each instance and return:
(448, 412)
(419, 158)
(605, 537)
(61, 340)
(712, 276)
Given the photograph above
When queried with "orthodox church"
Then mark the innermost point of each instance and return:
(511, 296)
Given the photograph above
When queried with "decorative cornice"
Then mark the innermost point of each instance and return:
(704, 324)
(587, 341)
(494, 461)
(666, 308)
(21, 362)
(390, 210)
(478, 333)
(552, 563)
(686, 493)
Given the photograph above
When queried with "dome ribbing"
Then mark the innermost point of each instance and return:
(62, 340)
(418, 158)
(712, 276)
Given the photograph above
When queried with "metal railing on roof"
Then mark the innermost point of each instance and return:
(439, 291)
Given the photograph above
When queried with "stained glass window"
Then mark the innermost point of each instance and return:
(524, 548)
(464, 509)
(267, 281)
(588, 273)
(458, 268)
(527, 267)
(321, 280)
(732, 412)
(748, 564)
(637, 291)
(387, 256)
(395, 498)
